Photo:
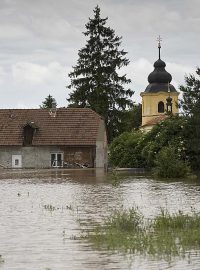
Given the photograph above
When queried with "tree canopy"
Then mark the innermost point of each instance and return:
(191, 106)
(137, 149)
(48, 103)
(191, 94)
(95, 79)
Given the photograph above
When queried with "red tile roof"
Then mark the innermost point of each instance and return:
(70, 126)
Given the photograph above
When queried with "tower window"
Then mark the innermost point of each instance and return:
(161, 107)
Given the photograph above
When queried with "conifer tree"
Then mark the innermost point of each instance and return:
(48, 102)
(95, 82)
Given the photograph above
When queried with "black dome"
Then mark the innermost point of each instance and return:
(159, 63)
(158, 87)
(159, 79)
(159, 75)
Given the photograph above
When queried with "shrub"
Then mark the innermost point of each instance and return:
(169, 165)
(124, 151)
(167, 132)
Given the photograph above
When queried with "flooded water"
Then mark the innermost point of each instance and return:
(43, 213)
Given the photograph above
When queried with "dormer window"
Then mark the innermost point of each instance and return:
(29, 130)
(161, 107)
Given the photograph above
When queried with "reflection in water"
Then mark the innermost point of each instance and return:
(43, 211)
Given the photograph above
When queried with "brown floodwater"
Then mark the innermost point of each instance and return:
(44, 212)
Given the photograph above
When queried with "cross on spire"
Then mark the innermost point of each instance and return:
(159, 39)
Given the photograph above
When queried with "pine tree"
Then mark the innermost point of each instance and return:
(191, 106)
(95, 81)
(48, 103)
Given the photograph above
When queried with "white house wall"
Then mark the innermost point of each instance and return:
(101, 147)
(32, 157)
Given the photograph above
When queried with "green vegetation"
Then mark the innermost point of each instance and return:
(125, 150)
(1, 259)
(52, 208)
(95, 81)
(190, 105)
(169, 132)
(166, 236)
(169, 165)
(163, 148)
(48, 103)
(131, 119)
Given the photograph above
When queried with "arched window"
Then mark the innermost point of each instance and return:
(161, 106)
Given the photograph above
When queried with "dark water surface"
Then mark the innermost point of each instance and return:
(43, 212)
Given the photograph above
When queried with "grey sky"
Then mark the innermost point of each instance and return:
(40, 39)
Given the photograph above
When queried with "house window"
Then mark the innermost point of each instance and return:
(56, 160)
(16, 162)
(161, 107)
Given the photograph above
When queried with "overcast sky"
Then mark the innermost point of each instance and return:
(40, 39)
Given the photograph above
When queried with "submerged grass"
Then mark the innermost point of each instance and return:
(166, 236)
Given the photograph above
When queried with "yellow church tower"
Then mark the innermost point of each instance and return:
(160, 97)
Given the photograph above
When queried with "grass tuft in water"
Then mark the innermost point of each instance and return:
(1, 259)
(114, 178)
(166, 236)
(50, 207)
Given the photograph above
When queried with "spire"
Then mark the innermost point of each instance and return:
(159, 39)
(159, 79)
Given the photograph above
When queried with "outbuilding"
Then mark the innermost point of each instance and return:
(42, 138)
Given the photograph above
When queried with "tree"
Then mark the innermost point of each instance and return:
(190, 104)
(191, 94)
(124, 150)
(137, 149)
(131, 119)
(169, 132)
(48, 103)
(95, 81)
(169, 164)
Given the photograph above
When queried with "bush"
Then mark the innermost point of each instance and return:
(167, 132)
(136, 149)
(169, 165)
(124, 150)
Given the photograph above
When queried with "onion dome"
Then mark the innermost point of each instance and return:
(159, 80)
(159, 75)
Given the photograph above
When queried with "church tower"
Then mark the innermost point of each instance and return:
(160, 97)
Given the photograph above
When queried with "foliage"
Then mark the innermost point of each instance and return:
(165, 236)
(136, 149)
(124, 150)
(124, 220)
(169, 165)
(48, 102)
(1, 259)
(95, 81)
(192, 138)
(131, 119)
(191, 93)
(190, 103)
(167, 132)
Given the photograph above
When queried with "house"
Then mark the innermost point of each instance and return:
(42, 138)
(160, 97)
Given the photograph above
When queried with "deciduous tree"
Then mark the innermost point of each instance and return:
(190, 104)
